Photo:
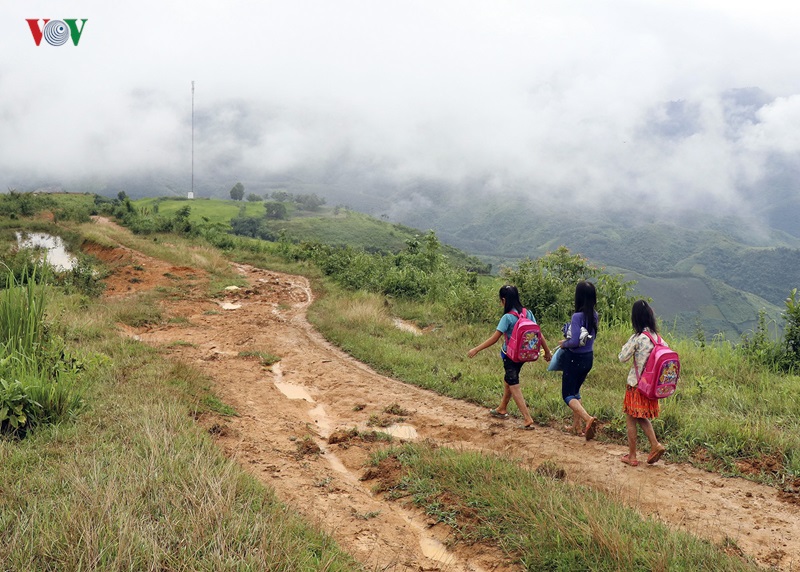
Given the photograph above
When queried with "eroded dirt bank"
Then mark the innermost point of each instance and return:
(288, 411)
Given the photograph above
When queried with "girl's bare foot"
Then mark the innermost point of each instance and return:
(591, 428)
(574, 429)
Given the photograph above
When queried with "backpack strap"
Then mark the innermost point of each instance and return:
(655, 343)
(635, 366)
(518, 315)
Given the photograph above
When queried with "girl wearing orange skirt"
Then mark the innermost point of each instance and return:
(639, 409)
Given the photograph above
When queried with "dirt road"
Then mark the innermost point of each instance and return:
(288, 411)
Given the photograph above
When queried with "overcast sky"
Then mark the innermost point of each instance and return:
(682, 98)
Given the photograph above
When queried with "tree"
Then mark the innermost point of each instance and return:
(274, 210)
(254, 198)
(282, 196)
(310, 202)
(237, 192)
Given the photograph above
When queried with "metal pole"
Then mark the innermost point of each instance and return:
(192, 138)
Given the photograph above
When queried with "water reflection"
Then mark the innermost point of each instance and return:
(54, 249)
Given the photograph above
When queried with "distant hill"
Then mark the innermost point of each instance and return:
(335, 226)
(712, 272)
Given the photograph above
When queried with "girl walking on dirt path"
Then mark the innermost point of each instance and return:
(509, 297)
(639, 409)
(578, 359)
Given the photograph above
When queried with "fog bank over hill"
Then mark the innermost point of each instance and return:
(390, 107)
(726, 155)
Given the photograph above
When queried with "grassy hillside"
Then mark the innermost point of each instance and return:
(690, 301)
(212, 210)
(713, 272)
(334, 226)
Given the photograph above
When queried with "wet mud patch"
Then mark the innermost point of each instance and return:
(387, 473)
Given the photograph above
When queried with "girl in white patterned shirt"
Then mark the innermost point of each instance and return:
(639, 409)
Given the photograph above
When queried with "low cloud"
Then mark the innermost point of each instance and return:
(686, 103)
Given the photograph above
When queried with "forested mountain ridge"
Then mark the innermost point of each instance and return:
(703, 272)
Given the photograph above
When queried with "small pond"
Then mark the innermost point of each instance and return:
(53, 248)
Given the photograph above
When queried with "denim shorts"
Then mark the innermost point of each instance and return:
(576, 368)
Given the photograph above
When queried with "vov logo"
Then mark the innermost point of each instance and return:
(56, 32)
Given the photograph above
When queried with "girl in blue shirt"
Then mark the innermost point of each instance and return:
(509, 297)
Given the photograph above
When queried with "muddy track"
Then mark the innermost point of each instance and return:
(288, 411)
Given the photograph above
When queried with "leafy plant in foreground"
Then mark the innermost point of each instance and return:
(15, 406)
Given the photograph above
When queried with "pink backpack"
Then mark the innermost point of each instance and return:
(525, 340)
(661, 372)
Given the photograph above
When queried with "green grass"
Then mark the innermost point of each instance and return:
(212, 210)
(542, 523)
(265, 358)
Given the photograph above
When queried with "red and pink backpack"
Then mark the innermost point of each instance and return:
(661, 372)
(525, 340)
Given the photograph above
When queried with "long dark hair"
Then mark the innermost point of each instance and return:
(585, 301)
(642, 316)
(510, 294)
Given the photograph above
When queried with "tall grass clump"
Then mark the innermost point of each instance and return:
(37, 378)
(22, 329)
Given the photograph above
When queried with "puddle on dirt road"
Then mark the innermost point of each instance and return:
(320, 417)
(437, 551)
(402, 431)
(398, 430)
(317, 414)
(55, 251)
(290, 390)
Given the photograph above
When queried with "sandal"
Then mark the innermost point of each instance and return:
(530, 427)
(591, 428)
(496, 413)
(656, 455)
(627, 460)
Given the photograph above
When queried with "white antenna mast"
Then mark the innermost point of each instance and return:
(191, 193)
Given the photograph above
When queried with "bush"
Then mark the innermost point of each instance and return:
(547, 287)
(777, 355)
(792, 333)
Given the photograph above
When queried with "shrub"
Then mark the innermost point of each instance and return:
(547, 287)
(792, 333)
